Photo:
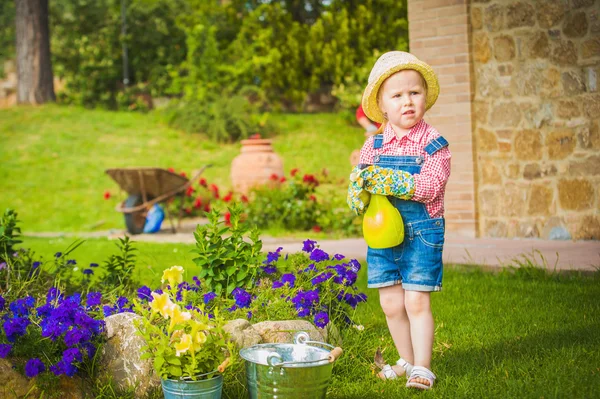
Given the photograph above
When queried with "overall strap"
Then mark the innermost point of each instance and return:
(377, 141)
(435, 145)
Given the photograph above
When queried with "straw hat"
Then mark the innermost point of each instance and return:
(387, 65)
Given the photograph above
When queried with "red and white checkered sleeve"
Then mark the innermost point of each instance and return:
(431, 182)
(367, 152)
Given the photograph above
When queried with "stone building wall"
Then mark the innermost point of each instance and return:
(536, 115)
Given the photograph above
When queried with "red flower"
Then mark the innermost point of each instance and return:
(198, 203)
(255, 136)
(227, 218)
(215, 190)
(206, 207)
(316, 229)
(312, 198)
(282, 180)
(244, 199)
(171, 170)
(293, 172)
(106, 194)
(188, 211)
(183, 174)
(190, 190)
(310, 180)
(274, 177)
(202, 182)
(228, 197)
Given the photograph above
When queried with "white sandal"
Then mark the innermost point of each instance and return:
(420, 372)
(390, 374)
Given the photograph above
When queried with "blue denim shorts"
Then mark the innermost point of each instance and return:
(416, 263)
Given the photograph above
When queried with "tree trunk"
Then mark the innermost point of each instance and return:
(34, 68)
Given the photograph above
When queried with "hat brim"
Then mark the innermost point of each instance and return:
(369, 99)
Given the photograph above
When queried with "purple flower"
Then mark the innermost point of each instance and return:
(2, 265)
(354, 265)
(93, 298)
(196, 280)
(144, 293)
(318, 255)
(34, 268)
(249, 315)
(361, 297)
(52, 294)
(269, 269)
(15, 327)
(338, 256)
(321, 278)
(93, 265)
(321, 319)
(58, 254)
(75, 298)
(2, 302)
(77, 336)
(242, 298)
(288, 278)
(71, 262)
(308, 246)
(21, 307)
(273, 256)
(121, 302)
(303, 312)
(310, 268)
(63, 367)
(277, 284)
(34, 367)
(351, 300)
(88, 272)
(71, 355)
(208, 297)
(107, 310)
(5, 350)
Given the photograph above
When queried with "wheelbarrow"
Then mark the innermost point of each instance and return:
(146, 187)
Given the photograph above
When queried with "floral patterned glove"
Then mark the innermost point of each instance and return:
(357, 198)
(384, 181)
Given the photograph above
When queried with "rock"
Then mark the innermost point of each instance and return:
(490, 173)
(120, 358)
(564, 52)
(520, 14)
(540, 200)
(476, 18)
(486, 140)
(575, 194)
(481, 111)
(539, 46)
(513, 170)
(13, 384)
(559, 233)
(585, 167)
(495, 228)
(242, 333)
(481, 47)
(494, 18)
(573, 83)
(567, 109)
(550, 14)
(591, 106)
(528, 230)
(528, 145)
(504, 48)
(560, 144)
(589, 228)
(506, 115)
(576, 25)
(513, 200)
(582, 3)
(488, 202)
(284, 331)
(589, 137)
(590, 48)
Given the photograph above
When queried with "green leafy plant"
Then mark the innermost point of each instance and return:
(225, 258)
(119, 267)
(182, 343)
(9, 234)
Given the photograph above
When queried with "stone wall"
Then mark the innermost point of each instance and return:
(536, 115)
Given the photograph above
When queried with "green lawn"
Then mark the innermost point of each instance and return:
(523, 334)
(54, 157)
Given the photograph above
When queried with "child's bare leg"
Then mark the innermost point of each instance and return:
(392, 303)
(418, 308)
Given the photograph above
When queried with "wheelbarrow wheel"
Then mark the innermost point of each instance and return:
(135, 221)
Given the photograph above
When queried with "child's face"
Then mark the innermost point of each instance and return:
(402, 96)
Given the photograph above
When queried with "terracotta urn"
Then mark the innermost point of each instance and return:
(255, 165)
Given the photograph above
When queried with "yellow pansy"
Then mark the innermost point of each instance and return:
(184, 344)
(162, 303)
(174, 275)
(177, 316)
(199, 340)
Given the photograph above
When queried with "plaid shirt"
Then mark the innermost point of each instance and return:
(431, 182)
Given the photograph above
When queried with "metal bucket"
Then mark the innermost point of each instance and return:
(188, 389)
(289, 371)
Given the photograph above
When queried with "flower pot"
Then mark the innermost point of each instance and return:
(188, 389)
(255, 165)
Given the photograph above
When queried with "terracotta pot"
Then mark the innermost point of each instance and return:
(255, 165)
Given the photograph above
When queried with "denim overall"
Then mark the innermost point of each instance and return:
(417, 262)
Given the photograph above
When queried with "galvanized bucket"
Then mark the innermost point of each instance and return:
(289, 371)
(189, 389)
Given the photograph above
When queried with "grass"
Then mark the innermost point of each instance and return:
(520, 333)
(54, 157)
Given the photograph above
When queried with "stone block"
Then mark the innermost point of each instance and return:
(506, 115)
(550, 13)
(513, 198)
(589, 228)
(573, 83)
(504, 48)
(489, 204)
(589, 166)
(582, 3)
(490, 173)
(551, 82)
(564, 52)
(591, 106)
(528, 229)
(590, 48)
(495, 228)
(481, 111)
(576, 25)
(540, 200)
(481, 47)
(528, 145)
(554, 229)
(539, 45)
(513, 170)
(589, 137)
(528, 79)
(476, 18)
(575, 194)
(486, 80)
(520, 14)
(493, 18)
(486, 140)
(567, 108)
(560, 144)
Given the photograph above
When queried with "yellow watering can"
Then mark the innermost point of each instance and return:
(382, 224)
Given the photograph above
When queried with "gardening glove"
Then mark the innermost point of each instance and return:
(357, 198)
(385, 181)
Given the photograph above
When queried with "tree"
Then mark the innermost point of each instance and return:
(34, 68)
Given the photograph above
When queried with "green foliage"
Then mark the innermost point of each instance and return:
(9, 234)
(7, 32)
(225, 258)
(119, 267)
